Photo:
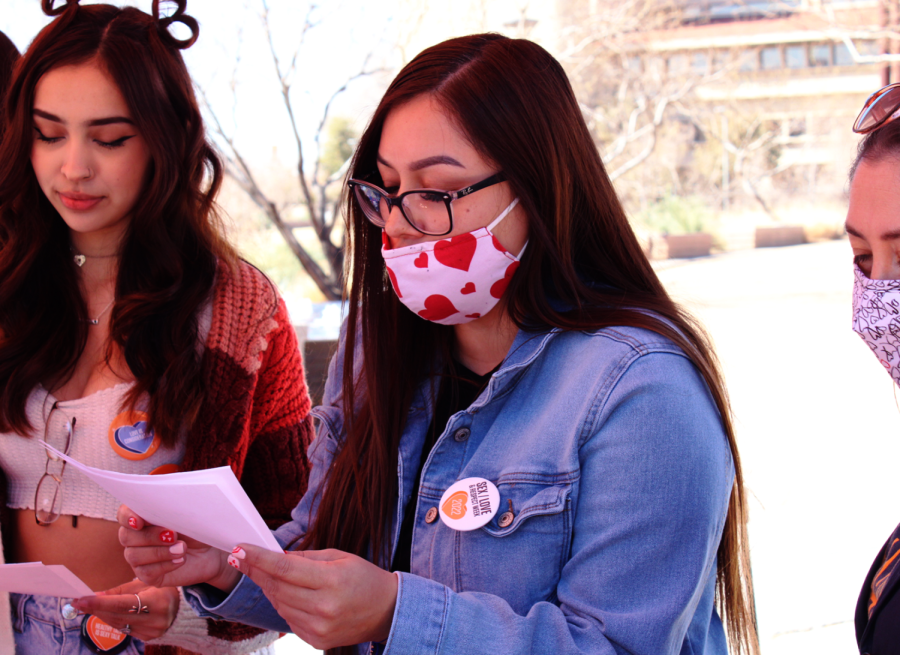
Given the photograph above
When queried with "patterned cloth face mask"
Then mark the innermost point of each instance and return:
(455, 280)
(876, 318)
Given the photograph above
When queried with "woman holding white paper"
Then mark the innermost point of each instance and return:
(131, 335)
(525, 445)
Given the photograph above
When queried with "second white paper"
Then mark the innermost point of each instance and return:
(41, 579)
(208, 505)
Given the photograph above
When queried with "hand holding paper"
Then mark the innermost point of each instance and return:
(209, 506)
(161, 558)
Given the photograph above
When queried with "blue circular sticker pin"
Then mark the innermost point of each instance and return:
(131, 437)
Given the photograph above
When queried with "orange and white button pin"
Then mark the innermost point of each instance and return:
(469, 504)
(102, 637)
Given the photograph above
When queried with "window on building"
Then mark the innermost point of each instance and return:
(700, 63)
(868, 47)
(678, 64)
(820, 54)
(795, 56)
(749, 60)
(720, 60)
(770, 58)
(842, 56)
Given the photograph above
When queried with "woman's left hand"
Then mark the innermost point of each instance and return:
(329, 598)
(111, 606)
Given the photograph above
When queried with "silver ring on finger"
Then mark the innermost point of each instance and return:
(140, 608)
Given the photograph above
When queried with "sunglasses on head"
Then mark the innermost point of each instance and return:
(881, 108)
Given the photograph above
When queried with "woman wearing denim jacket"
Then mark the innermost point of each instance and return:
(525, 445)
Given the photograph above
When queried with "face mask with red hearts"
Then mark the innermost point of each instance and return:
(453, 280)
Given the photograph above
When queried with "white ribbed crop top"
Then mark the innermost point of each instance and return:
(105, 437)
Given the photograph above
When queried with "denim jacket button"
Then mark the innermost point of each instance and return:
(505, 519)
(431, 515)
(461, 435)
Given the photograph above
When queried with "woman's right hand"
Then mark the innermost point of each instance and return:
(160, 559)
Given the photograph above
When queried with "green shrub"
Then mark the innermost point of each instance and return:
(676, 215)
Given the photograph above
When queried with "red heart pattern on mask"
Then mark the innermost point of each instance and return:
(456, 252)
(437, 308)
(475, 315)
(497, 244)
(421, 261)
(499, 287)
(469, 288)
(394, 281)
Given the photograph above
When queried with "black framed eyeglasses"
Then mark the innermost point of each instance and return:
(880, 109)
(426, 210)
(48, 494)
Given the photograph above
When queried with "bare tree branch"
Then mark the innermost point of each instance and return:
(318, 199)
(238, 169)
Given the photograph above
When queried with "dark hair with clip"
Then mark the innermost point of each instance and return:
(178, 16)
(169, 255)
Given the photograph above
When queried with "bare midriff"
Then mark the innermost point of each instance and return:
(91, 550)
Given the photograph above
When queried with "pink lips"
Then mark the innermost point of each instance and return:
(79, 201)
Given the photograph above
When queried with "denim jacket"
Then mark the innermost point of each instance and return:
(613, 454)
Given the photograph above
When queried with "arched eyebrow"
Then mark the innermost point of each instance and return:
(418, 165)
(891, 235)
(97, 122)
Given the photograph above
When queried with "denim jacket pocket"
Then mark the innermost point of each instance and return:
(516, 506)
(520, 554)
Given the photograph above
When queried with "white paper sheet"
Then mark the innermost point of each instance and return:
(208, 505)
(38, 578)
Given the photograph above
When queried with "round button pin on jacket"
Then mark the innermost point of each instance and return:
(469, 504)
(130, 437)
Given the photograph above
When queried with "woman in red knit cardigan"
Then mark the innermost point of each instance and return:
(131, 334)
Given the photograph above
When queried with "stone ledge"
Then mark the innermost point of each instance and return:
(781, 235)
(677, 246)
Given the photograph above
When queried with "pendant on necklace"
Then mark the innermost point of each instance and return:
(79, 260)
(96, 321)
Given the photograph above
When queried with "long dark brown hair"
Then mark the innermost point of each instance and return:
(169, 254)
(514, 103)
(9, 55)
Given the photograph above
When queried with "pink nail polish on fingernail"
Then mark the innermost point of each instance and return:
(132, 522)
(233, 562)
(239, 553)
(178, 561)
(167, 537)
(177, 549)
